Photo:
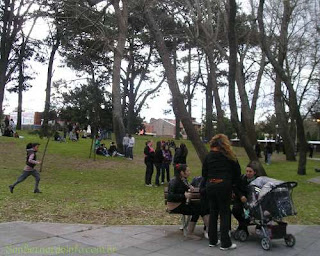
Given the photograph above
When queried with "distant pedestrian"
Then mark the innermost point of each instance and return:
(268, 153)
(148, 160)
(125, 143)
(158, 159)
(31, 161)
(180, 156)
(258, 150)
(130, 147)
(311, 148)
(165, 169)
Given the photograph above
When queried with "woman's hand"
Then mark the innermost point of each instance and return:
(243, 199)
(191, 188)
(187, 195)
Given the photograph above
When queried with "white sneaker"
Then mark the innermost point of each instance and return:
(162, 183)
(214, 245)
(233, 246)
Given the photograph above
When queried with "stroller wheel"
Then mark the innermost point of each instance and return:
(236, 235)
(290, 240)
(266, 243)
(242, 235)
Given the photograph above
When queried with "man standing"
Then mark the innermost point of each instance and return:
(125, 143)
(130, 147)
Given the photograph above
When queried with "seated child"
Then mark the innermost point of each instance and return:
(113, 151)
(102, 150)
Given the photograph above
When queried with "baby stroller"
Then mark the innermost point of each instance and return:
(269, 201)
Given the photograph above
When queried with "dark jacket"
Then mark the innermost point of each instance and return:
(242, 188)
(29, 153)
(148, 155)
(176, 189)
(218, 166)
(158, 156)
(180, 157)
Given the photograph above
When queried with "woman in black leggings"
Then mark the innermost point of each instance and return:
(220, 170)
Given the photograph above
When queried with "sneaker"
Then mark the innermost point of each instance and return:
(233, 246)
(214, 245)
(11, 188)
(148, 185)
(37, 191)
(162, 183)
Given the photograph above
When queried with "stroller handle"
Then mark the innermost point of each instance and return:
(290, 184)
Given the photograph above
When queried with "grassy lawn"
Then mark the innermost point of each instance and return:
(111, 191)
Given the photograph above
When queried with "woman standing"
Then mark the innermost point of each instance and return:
(180, 155)
(220, 170)
(158, 159)
(148, 160)
(167, 158)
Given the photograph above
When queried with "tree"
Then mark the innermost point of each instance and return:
(177, 99)
(13, 15)
(277, 58)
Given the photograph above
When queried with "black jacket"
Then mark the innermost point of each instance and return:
(176, 189)
(149, 156)
(242, 188)
(158, 156)
(218, 166)
(180, 157)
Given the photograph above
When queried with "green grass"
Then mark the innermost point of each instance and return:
(109, 191)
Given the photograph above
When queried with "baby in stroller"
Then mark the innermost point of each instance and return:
(268, 202)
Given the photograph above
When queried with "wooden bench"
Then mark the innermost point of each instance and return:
(185, 219)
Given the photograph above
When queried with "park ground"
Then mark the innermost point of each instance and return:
(111, 191)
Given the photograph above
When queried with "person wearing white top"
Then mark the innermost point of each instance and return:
(130, 147)
(125, 143)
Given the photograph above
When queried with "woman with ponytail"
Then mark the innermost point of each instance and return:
(220, 171)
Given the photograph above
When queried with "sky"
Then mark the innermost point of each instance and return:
(34, 98)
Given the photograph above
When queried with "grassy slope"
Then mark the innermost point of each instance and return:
(111, 190)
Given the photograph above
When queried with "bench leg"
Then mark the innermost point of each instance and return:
(185, 219)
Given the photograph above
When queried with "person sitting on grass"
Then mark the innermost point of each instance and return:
(113, 151)
(102, 150)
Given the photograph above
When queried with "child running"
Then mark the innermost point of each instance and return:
(31, 161)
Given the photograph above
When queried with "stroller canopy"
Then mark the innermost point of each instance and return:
(265, 184)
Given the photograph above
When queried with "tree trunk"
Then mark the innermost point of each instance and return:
(281, 72)
(49, 79)
(117, 118)
(231, 10)
(215, 88)
(282, 121)
(209, 109)
(20, 90)
(177, 99)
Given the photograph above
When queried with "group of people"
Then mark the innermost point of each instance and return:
(9, 128)
(221, 178)
(102, 150)
(161, 158)
(128, 142)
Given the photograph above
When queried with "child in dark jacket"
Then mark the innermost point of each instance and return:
(31, 161)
